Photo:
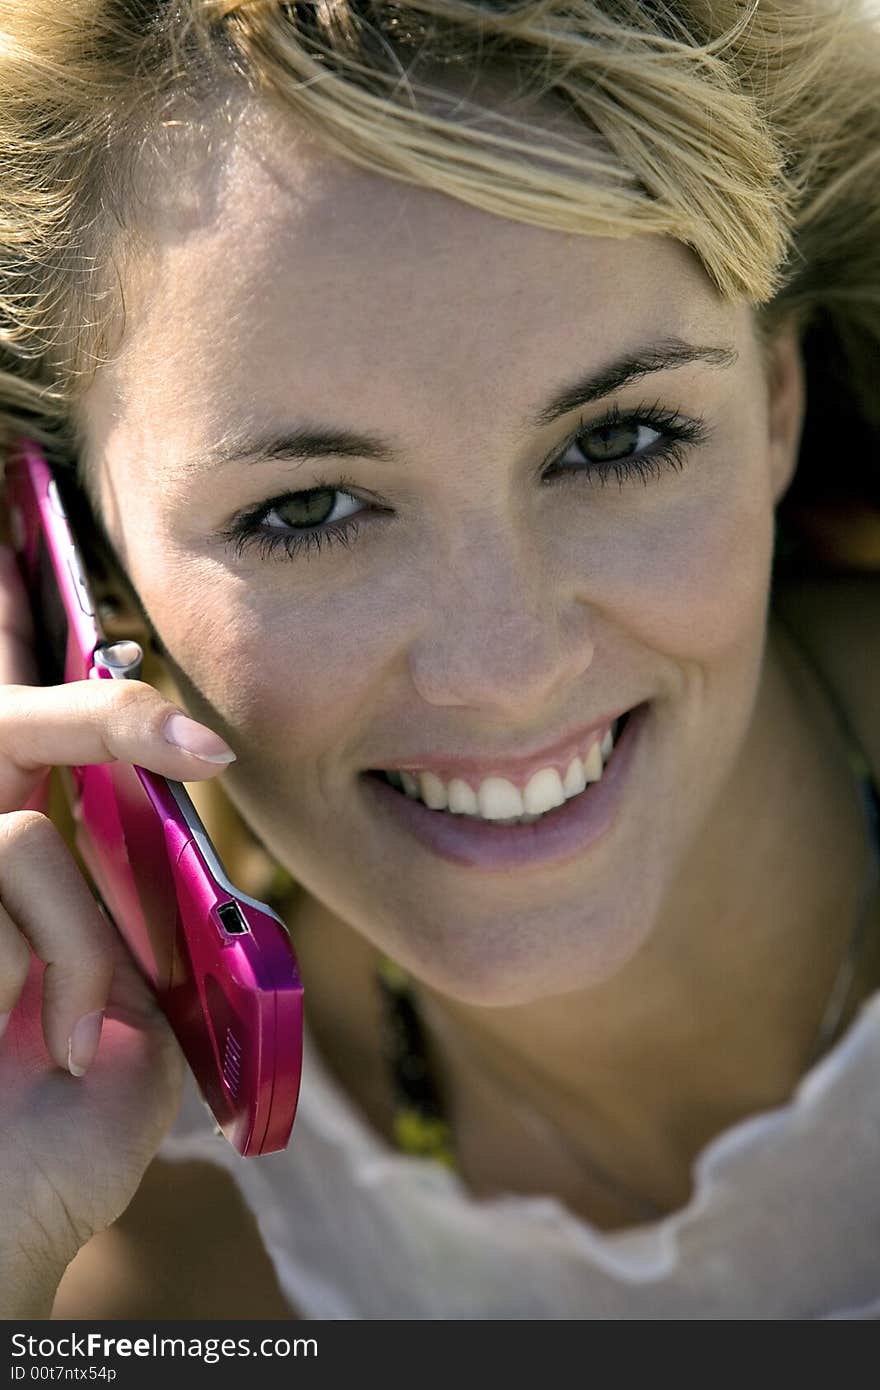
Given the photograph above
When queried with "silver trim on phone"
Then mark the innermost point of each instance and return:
(124, 660)
(200, 835)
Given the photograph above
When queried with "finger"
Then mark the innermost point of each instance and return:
(48, 907)
(99, 721)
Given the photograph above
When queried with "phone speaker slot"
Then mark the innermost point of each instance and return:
(232, 919)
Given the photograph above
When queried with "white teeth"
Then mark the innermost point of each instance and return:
(593, 764)
(410, 784)
(461, 798)
(498, 799)
(433, 791)
(575, 778)
(543, 791)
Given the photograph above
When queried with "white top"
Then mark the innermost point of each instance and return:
(784, 1222)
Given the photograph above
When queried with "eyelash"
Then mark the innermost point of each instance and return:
(680, 434)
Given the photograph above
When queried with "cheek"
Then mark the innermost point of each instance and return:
(260, 661)
(689, 580)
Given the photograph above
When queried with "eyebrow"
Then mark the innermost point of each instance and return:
(308, 442)
(662, 356)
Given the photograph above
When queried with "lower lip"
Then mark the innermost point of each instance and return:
(559, 835)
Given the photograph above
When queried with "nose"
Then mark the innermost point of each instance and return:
(505, 636)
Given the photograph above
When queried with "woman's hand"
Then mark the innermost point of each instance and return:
(73, 1148)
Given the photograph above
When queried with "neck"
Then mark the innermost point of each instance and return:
(715, 1016)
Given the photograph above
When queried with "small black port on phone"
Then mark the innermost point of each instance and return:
(232, 919)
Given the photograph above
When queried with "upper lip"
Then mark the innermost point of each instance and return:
(516, 769)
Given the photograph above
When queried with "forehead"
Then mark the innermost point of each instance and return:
(277, 273)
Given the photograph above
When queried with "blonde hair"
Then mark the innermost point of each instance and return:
(750, 132)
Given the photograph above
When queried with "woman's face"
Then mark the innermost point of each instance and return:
(497, 596)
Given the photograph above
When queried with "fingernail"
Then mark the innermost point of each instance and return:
(195, 738)
(84, 1042)
(4, 1019)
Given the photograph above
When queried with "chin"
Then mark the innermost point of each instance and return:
(514, 963)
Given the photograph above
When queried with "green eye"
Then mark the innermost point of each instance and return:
(611, 437)
(317, 516)
(329, 513)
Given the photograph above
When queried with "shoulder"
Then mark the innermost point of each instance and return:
(187, 1247)
(837, 618)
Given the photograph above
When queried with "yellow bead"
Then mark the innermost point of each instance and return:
(393, 974)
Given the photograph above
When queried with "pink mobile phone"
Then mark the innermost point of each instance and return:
(221, 964)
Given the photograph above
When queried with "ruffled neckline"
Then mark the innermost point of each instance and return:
(646, 1250)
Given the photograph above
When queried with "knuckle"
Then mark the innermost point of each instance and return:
(88, 963)
(135, 706)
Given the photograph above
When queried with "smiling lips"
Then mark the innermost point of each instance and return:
(523, 796)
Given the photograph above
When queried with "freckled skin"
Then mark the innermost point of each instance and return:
(486, 609)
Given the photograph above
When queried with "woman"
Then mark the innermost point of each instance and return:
(445, 380)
